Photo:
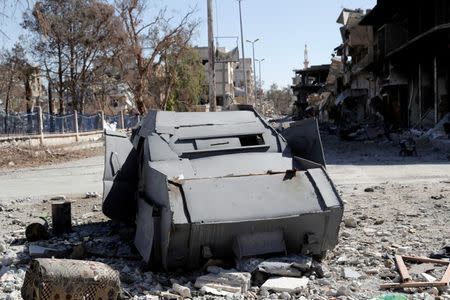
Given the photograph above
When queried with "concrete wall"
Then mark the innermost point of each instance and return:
(53, 139)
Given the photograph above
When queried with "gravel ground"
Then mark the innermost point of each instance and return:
(380, 220)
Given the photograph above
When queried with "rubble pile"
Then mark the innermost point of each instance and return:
(380, 221)
(267, 109)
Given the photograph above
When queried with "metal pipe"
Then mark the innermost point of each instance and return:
(211, 59)
(260, 77)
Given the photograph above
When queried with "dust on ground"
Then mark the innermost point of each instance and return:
(14, 156)
(380, 220)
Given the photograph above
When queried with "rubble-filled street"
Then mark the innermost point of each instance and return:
(402, 210)
(224, 150)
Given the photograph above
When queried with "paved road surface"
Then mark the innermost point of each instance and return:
(373, 174)
(70, 178)
(79, 177)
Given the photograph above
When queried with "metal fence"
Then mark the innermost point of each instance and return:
(29, 124)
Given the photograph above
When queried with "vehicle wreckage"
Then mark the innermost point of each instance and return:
(220, 184)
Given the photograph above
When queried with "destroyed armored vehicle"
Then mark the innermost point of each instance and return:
(220, 184)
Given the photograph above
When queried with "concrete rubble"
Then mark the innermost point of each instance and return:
(285, 284)
(396, 218)
(224, 282)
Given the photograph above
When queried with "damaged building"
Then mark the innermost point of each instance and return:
(309, 83)
(356, 85)
(390, 73)
(229, 76)
(411, 60)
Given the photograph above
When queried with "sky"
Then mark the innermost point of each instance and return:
(283, 28)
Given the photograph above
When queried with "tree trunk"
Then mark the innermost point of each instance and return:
(61, 82)
(73, 88)
(28, 101)
(8, 93)
(50, 104)
(139, 91)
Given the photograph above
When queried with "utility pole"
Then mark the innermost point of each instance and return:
(254, 64)
(243, 53)
(260, 77)
(211, 59)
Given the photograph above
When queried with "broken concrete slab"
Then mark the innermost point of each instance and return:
(170, 296)
(225, 281)
(220, 290)
(183, 291)
(301, 262)
(279, 268)
(285, 284)
(350, 273)
(428, 277)
(36, 251)
(292, 265)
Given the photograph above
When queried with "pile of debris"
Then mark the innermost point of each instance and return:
(266, 108)
(57, 242)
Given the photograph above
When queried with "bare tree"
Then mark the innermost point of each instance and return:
(7, 10)
(281, 98)
(71, 37)
(147, 44)
(16, 76)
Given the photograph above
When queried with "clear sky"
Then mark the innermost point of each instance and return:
(283, 28)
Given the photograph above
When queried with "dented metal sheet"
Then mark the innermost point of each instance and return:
(226, 182)
(246, 198)
(323, 184)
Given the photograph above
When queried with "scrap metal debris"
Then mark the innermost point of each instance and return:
(37, 231)
(407, 281)
(61, 217)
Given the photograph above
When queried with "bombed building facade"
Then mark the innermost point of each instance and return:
(229, 76)
(411, 49)
(393, 67)
(307, 83)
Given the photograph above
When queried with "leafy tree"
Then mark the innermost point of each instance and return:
(185, 79)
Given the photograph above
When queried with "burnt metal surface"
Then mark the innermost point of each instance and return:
(193, 181)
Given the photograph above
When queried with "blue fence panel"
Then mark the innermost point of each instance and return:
(113, 119)
(89, 123)
(27, 124)
(131, 121)
(19, 124)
